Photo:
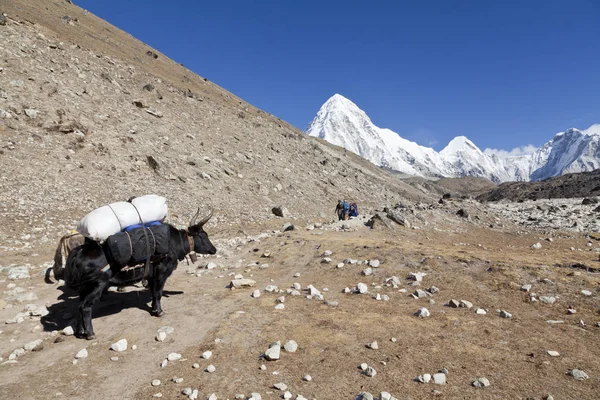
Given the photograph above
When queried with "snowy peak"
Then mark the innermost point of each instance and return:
(343, 123)
(459, 144)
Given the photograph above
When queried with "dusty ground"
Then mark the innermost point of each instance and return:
(464, 261)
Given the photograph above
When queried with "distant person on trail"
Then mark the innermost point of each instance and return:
(339, 210)
(346, 210)
(353, 210)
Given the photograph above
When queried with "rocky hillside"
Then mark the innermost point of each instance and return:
(583, 184)
(90, 115)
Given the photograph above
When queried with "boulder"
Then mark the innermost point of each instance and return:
(280, 211)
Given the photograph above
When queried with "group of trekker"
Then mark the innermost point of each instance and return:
(345, 210)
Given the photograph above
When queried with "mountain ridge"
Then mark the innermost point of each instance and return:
(342, 122)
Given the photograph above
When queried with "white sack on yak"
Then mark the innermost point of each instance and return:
(113, 218)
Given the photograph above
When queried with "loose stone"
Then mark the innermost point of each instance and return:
(280, 386)
(481, 383)
(439, 379)
(291, 346)
(422, 313)
(119, 346)
(578, 375)
(83, 353)
(273, 352)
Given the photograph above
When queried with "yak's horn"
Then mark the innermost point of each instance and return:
(205, 219)
(193, 220)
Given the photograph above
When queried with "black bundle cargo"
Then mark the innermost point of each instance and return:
(130, 247)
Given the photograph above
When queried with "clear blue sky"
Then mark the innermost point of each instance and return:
(503, 73)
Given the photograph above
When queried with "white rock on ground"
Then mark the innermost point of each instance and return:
(280, 307)
(83, 353)
(362, 288)
(553, 353)
(370, 372)
(173, 356)
(156, 382)
(119, 346)
(271, 288)
(280, 386)
(256, 293)
(313, 291)
(548, 299)
(578, 374)
(68, 331)
(273, 352)
(307, 378)
(207, 355)
(422, 313)
(373, 345)
(210, 369)
(239, 283)
(481, 383)
(439, 378)
(466, 304)
(291, 346)
(32, 345)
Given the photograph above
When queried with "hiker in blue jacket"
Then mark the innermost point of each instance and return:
(346, 210)
(353, 210)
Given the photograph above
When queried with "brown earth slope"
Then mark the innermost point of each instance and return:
(88, 117)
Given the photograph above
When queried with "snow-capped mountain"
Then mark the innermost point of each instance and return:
(341, 122)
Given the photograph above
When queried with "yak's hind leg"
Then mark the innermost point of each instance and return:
(87, 298)
(162, 270)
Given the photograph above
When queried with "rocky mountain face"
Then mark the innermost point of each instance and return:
(341, 122)
(90, 115)
(577, 185)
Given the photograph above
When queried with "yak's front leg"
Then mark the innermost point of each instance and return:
(86, 302)
(157, 283)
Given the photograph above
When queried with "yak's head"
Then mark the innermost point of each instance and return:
(202, 244)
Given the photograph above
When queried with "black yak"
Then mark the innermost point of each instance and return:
(89, 271)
